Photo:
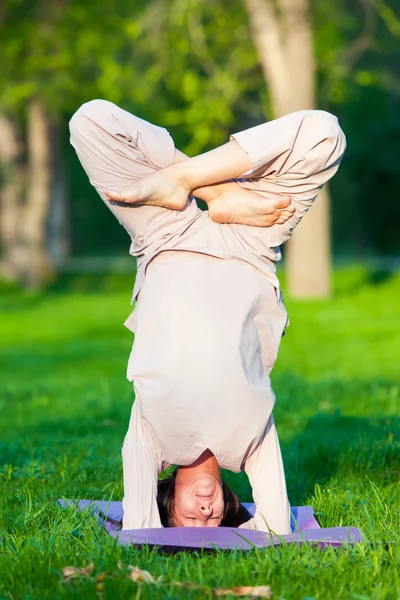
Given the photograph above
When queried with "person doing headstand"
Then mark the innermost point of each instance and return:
(208, 315)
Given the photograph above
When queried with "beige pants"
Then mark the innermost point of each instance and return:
(209, 319)
(293, 155)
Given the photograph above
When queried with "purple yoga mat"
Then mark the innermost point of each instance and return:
(305, 529)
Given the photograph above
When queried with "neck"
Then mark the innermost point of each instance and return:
(206, 464)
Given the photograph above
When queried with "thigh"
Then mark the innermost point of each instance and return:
(116, 149)
(294, 155)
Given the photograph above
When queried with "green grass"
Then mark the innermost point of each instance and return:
(64, 408)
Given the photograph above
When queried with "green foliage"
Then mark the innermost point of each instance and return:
(63, 52)
(64, 409)
(191, 66)
(357, 47)
(204, 66)
(156, 56)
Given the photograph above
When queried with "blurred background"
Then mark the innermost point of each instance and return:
(202, 69)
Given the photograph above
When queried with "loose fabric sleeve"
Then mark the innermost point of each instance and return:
(141, 465)
(267, 479)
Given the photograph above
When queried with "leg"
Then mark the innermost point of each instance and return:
(229, 202)
(117, 149)
(289, 157)
(296, 155)
(204, 176)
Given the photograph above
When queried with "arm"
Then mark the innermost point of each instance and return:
(267, 478)
(141, 466)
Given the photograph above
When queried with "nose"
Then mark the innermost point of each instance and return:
(205, 509)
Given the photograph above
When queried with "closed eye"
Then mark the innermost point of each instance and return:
(209, 519)
(195, 519)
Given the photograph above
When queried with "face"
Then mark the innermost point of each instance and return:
(199, 503)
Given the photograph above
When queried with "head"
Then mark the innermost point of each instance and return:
(203, 501)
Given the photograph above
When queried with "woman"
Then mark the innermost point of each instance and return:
(209, 316)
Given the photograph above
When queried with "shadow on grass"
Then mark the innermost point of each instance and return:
(350, 446)
(379, 277)
(330, 445)
(14, 298)
(352, 280)
(118, 278)
(91, 282)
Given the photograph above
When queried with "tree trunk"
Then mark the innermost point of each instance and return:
(282, 34)
(58, 227)
(308, 253)
(10, 198)
(37, 265)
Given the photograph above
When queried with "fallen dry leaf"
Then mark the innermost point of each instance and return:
(139, 576)
(185, 584)
(76, 572)
(258, 591)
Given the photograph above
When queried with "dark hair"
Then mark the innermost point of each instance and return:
(234, 512)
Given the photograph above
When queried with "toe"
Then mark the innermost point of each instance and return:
(272, 219)
(283, 202)
(114, 197)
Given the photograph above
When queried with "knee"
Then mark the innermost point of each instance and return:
(327, 126)
(87, 115)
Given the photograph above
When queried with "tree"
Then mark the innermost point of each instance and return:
(282, 33)
(24, 258)
(36, 263)
(10, 192)
(44, 76)
(26, 196)
(191, 66)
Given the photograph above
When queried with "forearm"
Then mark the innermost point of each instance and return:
(265, 471)
(141, 465)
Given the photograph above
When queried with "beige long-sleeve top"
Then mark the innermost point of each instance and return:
(207, 335)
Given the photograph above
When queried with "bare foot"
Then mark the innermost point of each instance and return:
(161, 188)
(244, 207)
